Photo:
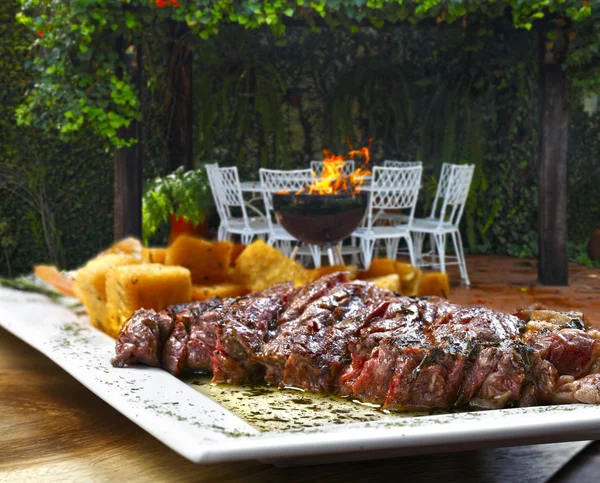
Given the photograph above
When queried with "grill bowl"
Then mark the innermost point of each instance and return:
(320, 219)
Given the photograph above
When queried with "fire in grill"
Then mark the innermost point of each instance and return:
(331, 207)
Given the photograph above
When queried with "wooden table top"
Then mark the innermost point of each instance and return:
(52, 428)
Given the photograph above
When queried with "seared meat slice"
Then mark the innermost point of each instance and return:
(462, 328)
(141, 339)
(401, 326)
(372, 380)
(318, 350)
(564, 355)
(307, 294)
(173, 310)
(275, 352)
(242, 333)
(417, 354)
(193, 339)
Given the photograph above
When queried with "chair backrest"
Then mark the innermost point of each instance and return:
(210, 169)
(392, 163)
(452, 193)
(394, 189)
(317, 167)
(275, 180)
(228, 192)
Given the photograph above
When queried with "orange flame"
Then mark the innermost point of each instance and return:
(333, 180)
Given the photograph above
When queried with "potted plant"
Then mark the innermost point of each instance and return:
(183, 198)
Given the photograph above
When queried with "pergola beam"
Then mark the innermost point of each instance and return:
(553, 265)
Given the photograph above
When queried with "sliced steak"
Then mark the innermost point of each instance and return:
(290, 324)
(462, 328)
(354, 339)
(401, 327)
(372, 381)
(242, 333)
(193, 340)
(141, 339)
(318, 349)
(202, 330)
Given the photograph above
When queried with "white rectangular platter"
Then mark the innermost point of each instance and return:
(204, 431)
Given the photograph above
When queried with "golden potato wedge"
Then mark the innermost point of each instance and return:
(208, 262)
(222, 290)
(144, 286)
(260, 266)
(379, 268)
(410, 278)
(126, 246)
(90, 285)
(391, 282)
(154, 255)
(237, 250)
(434, 283)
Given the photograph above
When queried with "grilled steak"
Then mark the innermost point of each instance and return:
(275, 352)
(354, 339)
(142, 338)
(193, 339)
(243, 331)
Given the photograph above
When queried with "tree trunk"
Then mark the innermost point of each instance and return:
(180, 148)
(129, 166)
(553, 266)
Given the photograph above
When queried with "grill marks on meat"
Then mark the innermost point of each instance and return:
(354, 339)
(242, 333)
(193, 339)
(142, 338)
(312, 355)
(291, 325)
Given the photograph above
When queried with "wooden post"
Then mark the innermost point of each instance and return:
(129, 165)
(180, 145)
(553, 266)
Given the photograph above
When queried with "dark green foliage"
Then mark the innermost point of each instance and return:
(420, 95)
(584, 182)
(55, 197)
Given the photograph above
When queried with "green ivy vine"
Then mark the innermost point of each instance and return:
(80, 70)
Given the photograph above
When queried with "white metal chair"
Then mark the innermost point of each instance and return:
(273, 181)
(392, 163)
(396, 189)
(318, 166)
(227, 192)
(446, 213)
(210, 169)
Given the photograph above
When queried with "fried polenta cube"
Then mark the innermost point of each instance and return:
(434, 283)
(154, 255)
(261, 266)
(379, 267)
(236, 251)
(126, 246)
(209, 262)
(390, 282)
(222, 290)
(319, 272)
(410, 278)
(144, 286)
(90, 285)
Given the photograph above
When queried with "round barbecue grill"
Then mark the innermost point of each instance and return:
(319, 219)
